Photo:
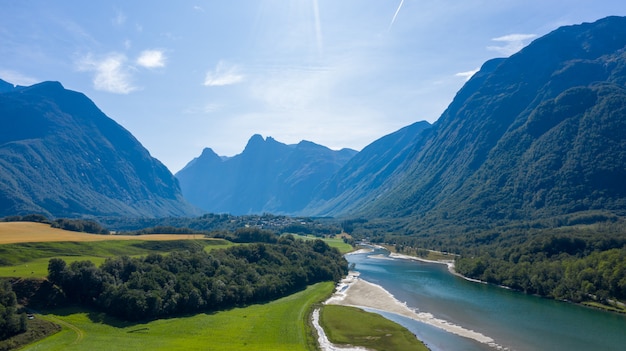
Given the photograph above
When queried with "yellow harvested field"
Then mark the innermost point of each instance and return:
(29, 232)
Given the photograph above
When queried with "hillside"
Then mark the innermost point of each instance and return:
(368, 173)
(534, 136)
(62, 157)
(268, 176)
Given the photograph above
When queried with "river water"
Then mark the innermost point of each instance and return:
(514, 320)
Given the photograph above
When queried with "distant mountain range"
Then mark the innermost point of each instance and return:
(268, 176)
(537, 135)
(61, 156)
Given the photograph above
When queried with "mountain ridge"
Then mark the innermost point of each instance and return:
(443, 176)
(62, 156)
(268, 176)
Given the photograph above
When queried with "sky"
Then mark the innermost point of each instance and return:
(185, 75)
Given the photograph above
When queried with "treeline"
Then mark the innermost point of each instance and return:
(75, 225)
(79, 225)
(212, 222)
(11, 322)
(576, 257)
(165, 229)
(557, 267)
(192, 281)
(246, 235)
(39, 218)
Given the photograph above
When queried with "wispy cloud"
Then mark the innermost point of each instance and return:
(294, 89)
(511, 43)
(119, 19)
(17, 78)
(151, 59)
(204, 109)
(198, 8)
(111, 73)
(468, 74)
(223, 74)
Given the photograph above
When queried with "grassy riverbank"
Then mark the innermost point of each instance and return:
(352, 326)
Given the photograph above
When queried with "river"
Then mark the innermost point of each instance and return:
(515, 321)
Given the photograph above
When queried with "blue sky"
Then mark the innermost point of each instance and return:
(185, 75)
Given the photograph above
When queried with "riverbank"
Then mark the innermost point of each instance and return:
(353, 291)
(614, 307)
(449, 263)
(322, 339)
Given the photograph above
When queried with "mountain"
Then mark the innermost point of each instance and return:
(368, 173)
(63, 157)
(536, 135)
(268, 176)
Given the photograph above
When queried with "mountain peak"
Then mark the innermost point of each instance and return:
(268, 176)
(256, 141)
(65, 158)
(208, 153)
(46, 86)
(6, 86)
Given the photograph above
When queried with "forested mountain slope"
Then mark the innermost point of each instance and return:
(368, 173)
(536, 135)
(62, 157)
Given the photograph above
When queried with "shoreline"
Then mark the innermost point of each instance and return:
(449, 263)
(322, 339)
(356, 292)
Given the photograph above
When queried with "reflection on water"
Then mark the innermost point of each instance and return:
(514, 320)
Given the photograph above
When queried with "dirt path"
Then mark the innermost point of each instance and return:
(80, 334)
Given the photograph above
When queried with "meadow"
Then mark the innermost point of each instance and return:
(278, 325)
(346, 325)
(335, 242)
(26, 248)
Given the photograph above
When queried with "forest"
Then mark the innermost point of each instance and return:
(180, 282)
(578, 257)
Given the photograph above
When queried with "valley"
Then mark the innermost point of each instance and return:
(519, 182)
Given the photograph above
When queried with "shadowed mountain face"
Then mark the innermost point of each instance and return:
(368, 174)
(532, 136)
(268, 176)
(61, 156)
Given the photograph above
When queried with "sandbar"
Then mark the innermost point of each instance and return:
(353, 291)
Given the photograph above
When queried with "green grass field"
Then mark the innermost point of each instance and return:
(332, 242)
(30, 260)
(352, 326)
(38, 268)
(278, 325)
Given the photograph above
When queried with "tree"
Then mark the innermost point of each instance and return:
(11, 322)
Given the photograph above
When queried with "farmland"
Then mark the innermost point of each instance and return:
(26, 247)
(30, 232)
(278, 325)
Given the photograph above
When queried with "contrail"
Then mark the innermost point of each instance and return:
(396, 14)
(318, 27)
